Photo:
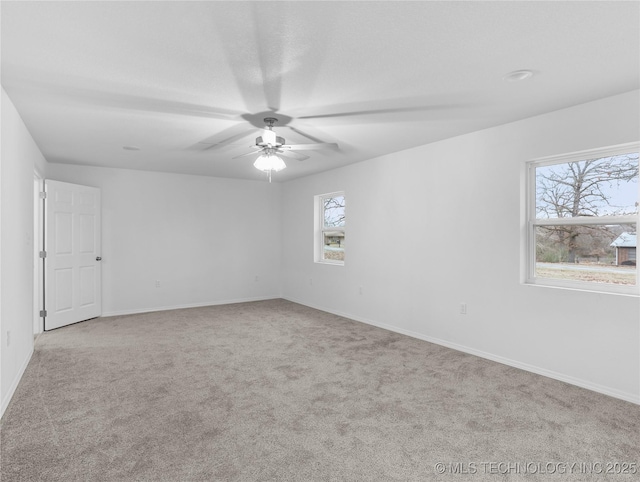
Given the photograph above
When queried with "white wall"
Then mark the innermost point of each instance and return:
(435, 226)
(19, 157)
(204, 239)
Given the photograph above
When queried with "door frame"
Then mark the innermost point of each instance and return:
(38, 245)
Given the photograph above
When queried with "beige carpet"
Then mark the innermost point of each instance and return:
(276, 391)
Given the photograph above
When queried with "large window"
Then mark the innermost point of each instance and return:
(330, 232)
(582, 220)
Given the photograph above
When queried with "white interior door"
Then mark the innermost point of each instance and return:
(72, 254)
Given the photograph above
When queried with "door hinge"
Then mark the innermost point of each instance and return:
(43, 313)
(43, 195)
(43, 254)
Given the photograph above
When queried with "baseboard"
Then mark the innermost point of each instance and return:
(188, 305)
(12, 389)
(628, 397)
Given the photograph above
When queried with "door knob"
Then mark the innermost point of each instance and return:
(98, 258)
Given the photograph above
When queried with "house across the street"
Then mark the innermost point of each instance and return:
(625, 245)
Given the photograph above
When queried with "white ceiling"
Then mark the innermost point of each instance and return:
(176, 79)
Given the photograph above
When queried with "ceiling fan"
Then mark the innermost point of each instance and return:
(272, 149)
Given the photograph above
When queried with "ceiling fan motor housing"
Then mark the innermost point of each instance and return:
(260, 142)
(269, 138)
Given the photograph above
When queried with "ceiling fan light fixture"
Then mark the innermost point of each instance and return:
(269, 162)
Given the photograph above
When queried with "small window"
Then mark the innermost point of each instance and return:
(330, 232)
(582, 220)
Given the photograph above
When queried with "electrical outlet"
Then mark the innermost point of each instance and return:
(463, 308)
(157, 283)
(360, 290)
(257, 278)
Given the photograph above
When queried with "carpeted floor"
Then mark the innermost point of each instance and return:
(276, 391)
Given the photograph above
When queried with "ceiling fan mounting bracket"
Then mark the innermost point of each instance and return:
(270, 121)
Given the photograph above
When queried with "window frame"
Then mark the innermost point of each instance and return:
(320, 229)
(532, 221)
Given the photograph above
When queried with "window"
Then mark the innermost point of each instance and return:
(330, 231)
(582, 220)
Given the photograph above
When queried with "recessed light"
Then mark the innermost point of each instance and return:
(518, 75)
(131, 148)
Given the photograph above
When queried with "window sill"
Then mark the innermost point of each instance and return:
(632, 291)
(329, 262)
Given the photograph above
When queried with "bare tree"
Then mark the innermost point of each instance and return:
(334, 211)
(582, 188)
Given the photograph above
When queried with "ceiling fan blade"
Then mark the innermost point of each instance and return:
(257, 60)
(246, 154)
(270, 54)
(265, 43)
(310, 147)
(304, 134)
(113, 99)
(374, 111)
(224, 138)
(293, 155)
(172, 107)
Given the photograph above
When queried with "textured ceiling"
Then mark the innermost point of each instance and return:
(190, 82)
